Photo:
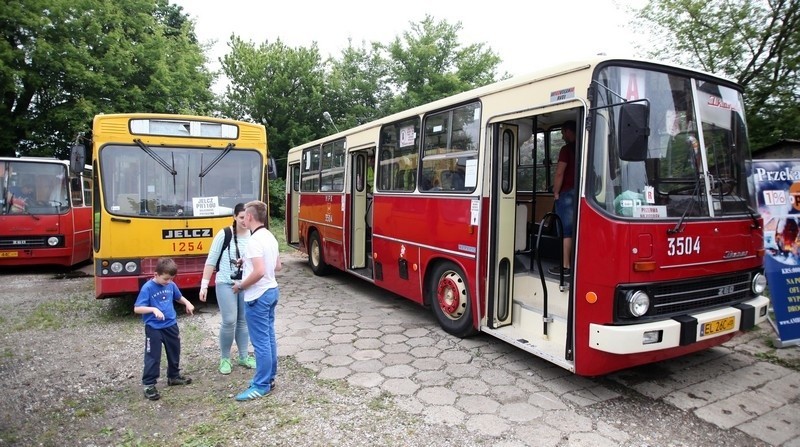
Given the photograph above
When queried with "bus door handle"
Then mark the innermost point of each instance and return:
(117, 219)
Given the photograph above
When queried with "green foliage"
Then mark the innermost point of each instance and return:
(755, 42)
(277, 86)
(277, 198)
(429, 63)
(288, 89)
(64, 61)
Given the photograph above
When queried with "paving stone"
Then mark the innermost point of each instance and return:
(391, 339)
(311, 355)
(342, 338)
(334, 373)
(459, 371)
(737, 409)
(372, 365)
(397, 359)
(426, 351)
(477, 404)
(396, 348)
(344, 330)
(537, 434)
(509, 393)
(487, 424)
(368, 343)
(497, 377)
(369, 333)
(437, 395)
(454, 356)
(366, 380)
(428, 364)
(442, 414)
(367, 354)
(432, 378)
(421, 341)
(589, 440)
(519, 412)
(400, 386)
(775, 427)
(546, 401)
(467, 386)
(567, 421)
(337, 360)
(410, 404)
(398, 371)
(590, 396)
(339, 349)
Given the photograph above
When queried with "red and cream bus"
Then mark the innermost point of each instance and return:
(45, 212)
(450, 205)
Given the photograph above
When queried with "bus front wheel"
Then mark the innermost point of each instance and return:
(315, 257)
(449, 298)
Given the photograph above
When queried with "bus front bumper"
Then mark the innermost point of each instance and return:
(679, 331)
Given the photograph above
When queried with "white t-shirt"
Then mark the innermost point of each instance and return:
(262, 244)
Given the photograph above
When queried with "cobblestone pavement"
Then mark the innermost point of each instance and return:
(346, 329)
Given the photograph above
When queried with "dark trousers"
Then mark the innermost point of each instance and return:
(170, 337)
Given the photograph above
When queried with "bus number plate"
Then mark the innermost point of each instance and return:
(9, 254)
(717, 326)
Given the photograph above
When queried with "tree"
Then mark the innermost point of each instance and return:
(357, 88)
(755, 42)
(277, 86)
(64, 61)
(429, 63)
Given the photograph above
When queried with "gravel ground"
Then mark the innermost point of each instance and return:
(70, 372)
(71, 368)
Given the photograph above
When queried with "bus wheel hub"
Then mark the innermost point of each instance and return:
(449, 294)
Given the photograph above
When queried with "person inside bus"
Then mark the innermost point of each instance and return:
(21, 197)
(564, 195)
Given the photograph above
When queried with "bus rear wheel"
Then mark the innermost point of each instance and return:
(449, 298)
(315, 257)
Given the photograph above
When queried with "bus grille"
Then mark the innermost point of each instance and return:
(688, 296)
(20, 242)
(185, 264)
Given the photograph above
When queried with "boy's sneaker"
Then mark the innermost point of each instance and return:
(180, 380)
(556, 270)
(251, 393)
(225, 366)
(248, 362)
(151, 392)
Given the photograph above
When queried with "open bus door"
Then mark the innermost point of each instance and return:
(503, 206)
(361, 162)
(293, 205)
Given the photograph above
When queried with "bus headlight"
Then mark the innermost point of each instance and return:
(638, 303)
(116, 267)
(53, 241)
(759, 283)
(131, 267)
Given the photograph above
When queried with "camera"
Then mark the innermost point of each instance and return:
(237, 274)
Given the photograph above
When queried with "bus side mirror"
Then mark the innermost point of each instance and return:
(77, 158)
(633, 131)
(272, 169)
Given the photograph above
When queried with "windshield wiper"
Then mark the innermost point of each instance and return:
(159, 160)
(154, 156)
(214, 162)
(721, 183)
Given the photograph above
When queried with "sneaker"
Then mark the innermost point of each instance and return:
(225, 366)
(272, 384)
(151, 392)
(180, 380)
(556, 270)
(251, 393)
(248, 362)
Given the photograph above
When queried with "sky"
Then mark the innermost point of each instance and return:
(525, 34)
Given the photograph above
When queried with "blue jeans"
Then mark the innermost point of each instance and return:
(565, 208)
(234, 324)
(260, 316)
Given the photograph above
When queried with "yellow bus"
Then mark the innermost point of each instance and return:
(165, 184)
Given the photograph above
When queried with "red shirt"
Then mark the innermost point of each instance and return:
(567, 155)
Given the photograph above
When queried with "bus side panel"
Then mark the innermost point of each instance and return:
(405, 224)
(82, 221)
(324, 213)
(399, 263)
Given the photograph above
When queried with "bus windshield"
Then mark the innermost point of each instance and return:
(696, 151)
(163, 181)
(33, 188)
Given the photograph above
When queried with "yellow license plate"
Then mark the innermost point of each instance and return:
(717, 326)
(9, 254)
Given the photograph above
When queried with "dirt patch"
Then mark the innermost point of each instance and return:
(71, 373)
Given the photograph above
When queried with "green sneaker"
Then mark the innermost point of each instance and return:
(248, 362)
(225, 366)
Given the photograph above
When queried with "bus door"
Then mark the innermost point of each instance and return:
(360, 197)
(503, 210)
(293, 205)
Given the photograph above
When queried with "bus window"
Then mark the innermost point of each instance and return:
(398, 162)
(310, 168)
(450, 140)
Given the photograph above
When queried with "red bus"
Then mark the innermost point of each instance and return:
(450, 205)
(45, 212)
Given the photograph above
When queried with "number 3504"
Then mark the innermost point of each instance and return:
(679, 246)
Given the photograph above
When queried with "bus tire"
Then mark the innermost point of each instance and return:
(316, 260)
(448, 294)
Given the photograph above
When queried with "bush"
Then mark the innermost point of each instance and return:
(277, 198)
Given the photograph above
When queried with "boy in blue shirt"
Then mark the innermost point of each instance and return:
(155, 305)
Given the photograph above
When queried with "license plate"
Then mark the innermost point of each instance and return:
(9, 254)
(717, 326)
